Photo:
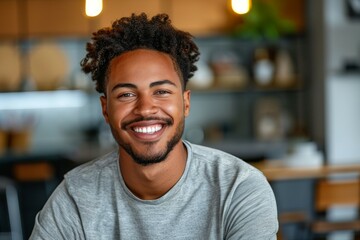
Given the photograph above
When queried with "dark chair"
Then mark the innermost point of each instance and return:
(7, 187)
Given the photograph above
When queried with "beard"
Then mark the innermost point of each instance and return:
(148, 156)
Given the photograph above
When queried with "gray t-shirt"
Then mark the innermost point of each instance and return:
(218, 197)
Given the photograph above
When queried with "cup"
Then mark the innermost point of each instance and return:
(20, 140)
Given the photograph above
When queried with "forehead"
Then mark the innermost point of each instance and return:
(141, 54)
(142, 62)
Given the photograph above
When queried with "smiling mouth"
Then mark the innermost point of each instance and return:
(148, 129)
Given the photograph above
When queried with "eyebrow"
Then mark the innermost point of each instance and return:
(162, 82)
(153, 84)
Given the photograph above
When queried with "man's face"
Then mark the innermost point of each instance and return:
(145, 105)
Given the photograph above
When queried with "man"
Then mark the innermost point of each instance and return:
(155, 186)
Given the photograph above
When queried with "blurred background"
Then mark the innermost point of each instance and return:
(278, 84)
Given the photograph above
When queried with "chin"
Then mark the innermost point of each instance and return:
(148, 156)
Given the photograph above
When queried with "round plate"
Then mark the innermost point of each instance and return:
(48, 65)
(10, 65)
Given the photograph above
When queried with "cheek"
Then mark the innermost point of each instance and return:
(116, 115)
(176, 110)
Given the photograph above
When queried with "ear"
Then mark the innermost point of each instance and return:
(186, 95)
(103, 101)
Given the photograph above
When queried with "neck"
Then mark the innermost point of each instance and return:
(153, 181)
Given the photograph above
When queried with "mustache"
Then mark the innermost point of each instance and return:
(168, 121)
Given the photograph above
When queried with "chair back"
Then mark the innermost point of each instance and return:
(330, 193)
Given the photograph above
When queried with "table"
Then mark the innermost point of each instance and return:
(276, 170)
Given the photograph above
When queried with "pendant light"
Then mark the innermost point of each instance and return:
(93, 7)
(241, 6)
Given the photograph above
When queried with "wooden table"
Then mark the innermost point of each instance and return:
(275, 170)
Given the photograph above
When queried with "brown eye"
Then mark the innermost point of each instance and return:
(125, 96)
(162, 92)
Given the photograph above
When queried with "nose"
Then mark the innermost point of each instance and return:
(145, 106)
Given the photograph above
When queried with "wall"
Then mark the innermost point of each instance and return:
(342, 87)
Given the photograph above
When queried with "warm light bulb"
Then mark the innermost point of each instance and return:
(93, 7)
(241, 6)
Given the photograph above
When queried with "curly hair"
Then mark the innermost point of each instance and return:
(134, 32)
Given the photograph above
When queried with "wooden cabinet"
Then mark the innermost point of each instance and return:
(56, 18)
(43, 18)
(214, 17)
(9, 19)
(186, 15)
(201, 17)
(114, 9)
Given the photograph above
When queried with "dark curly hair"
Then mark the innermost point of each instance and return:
(137, 31)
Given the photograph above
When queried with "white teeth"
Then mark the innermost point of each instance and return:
(148, 130)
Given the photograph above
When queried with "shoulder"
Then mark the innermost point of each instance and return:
(222, 162)
(203, 153)
(92, 172)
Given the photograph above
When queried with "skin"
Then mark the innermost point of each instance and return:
(145, 106)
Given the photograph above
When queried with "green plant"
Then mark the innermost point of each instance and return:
(263, 21)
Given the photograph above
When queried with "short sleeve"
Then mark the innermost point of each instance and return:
(59, 218)
(252, 213)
